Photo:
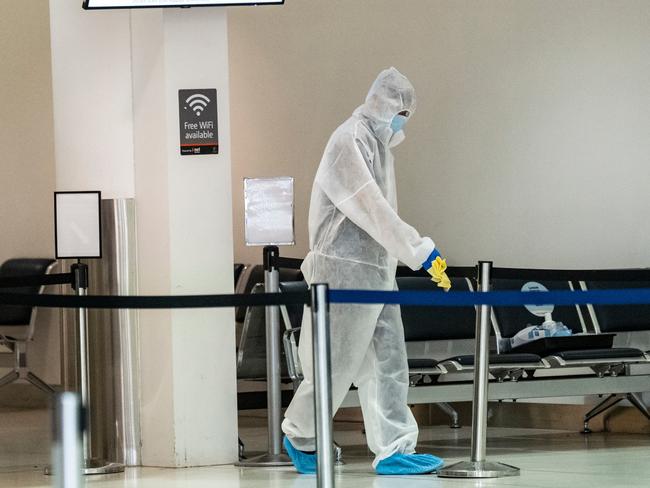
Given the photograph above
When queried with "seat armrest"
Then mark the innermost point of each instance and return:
(291, 354)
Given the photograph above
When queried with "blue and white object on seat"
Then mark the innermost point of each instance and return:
(409, 464)
(534, 332)
(549, 328)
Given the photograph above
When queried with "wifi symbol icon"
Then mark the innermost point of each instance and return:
(197, 102)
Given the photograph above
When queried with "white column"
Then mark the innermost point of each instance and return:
(116, 76)
(187, 248)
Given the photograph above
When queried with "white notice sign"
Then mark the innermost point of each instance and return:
(77, 224)
(269, 211)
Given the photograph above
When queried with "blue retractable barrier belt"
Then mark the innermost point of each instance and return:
(635, 296)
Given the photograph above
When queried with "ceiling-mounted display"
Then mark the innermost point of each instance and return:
(100, 4)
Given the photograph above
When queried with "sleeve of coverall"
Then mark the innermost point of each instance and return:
(350, 186)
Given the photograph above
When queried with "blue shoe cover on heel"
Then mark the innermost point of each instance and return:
(304, 462)
(409, 464)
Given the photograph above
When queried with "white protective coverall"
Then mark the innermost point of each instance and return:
(356, 240)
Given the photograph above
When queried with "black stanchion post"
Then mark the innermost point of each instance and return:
(67, 450)
(478, 466)
(322, 385)
(274, 456)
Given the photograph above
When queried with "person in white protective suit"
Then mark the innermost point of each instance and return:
(356, 239)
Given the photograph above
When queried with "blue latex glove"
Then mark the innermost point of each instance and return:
(409, 464)
(432, 257)
(304, 462)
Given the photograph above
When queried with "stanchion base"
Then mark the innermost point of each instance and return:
(265, 461)
(99, 466)
(96, 466)
(484, 469)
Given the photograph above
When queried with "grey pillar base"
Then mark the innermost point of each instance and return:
(96, 466)
(265, 461)
(484, 469)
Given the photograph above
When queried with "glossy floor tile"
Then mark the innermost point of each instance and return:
(547, 458)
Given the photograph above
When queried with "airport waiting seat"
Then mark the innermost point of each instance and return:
(436, 323)
(619, 319)
(423, 324)
(246, 276)
(456, 323)
(512, 319)
(237, 268)
(591, 350)
(292, 320)
(253, 274)
(251, 352)
(582, 349)
(249, 277)
(17, 323)
(508, 321)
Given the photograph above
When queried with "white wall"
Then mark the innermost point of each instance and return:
(26, 133)
(530, 145)
(27, 163)
(93, 115)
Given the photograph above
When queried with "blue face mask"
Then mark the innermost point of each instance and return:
(398, 123)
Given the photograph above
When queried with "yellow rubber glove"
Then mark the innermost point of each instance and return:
(437, 271)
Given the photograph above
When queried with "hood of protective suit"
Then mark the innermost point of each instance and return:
(390, 93)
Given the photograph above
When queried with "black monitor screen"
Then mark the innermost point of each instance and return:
(92, 4)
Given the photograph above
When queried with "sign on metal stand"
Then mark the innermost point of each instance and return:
(77, 225)
(269, 222)
(478, 466)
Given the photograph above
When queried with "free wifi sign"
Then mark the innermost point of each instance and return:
(197, 103)
(197, 115)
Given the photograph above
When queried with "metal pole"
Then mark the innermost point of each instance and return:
(273, 370)
(481, 370)
(274, 456)
(67, 450)
(322, 385)
(80, 271)
(91, 465)
(477, 466)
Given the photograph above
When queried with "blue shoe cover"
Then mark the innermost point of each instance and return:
(409, 464)
(304, 462)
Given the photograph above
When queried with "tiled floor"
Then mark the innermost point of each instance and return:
(24, 440)
(547, 459)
